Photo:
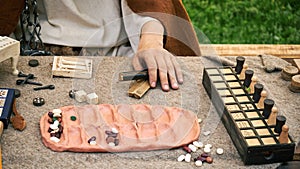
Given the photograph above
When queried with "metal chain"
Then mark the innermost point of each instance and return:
(32, 45)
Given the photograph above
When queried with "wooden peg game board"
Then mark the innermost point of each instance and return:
(255, 140)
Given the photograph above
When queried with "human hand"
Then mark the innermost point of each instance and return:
(159, 62)
(152, 56)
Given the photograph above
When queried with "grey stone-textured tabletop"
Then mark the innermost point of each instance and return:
(25, 149)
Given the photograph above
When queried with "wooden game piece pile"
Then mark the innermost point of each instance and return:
(290, 73)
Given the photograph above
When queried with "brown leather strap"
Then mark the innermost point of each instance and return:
(181, 38)
(10, 11)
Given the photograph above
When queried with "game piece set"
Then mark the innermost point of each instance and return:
(258, 134)
(72, 67)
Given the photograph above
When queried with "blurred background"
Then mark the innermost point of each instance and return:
(247, 21)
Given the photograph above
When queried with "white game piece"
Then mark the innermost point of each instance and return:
(80, 96)
(114, 130)
(181, 158)
(93, 143)
(92, 98)
(220, 151)
(199, 120)
(208, 146)
(207, 150)
(56, 112)
(111, 144)
(198, 163)
(188, 158)
(54, 139)
(192, 147)
(206, 133)
(198, 144)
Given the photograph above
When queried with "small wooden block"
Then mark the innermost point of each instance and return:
(80, 96)
(92, 98)
(138, 88)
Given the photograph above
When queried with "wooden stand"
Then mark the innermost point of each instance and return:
(10, 48)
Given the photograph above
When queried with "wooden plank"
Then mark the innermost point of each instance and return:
(282, 51)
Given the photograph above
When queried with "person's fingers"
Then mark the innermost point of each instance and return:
(171, 71)
(152, 70)
(163, 72)
(178, 70)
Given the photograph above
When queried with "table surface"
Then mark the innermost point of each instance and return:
(26, 150)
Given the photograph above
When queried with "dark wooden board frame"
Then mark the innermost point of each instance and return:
(258, 154)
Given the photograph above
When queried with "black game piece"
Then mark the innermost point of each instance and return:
(257, 91)
(72, 93)
(51, 87)
(20, 81)
(38, 101)
(240, 60)
(21, 74)
(268, 105)
(248, 77)
(33, 63)
(29, 76)
(280, 121)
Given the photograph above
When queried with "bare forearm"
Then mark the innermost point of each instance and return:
(151, 35)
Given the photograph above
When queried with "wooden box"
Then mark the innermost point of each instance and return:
(74, 67)
(255, 140)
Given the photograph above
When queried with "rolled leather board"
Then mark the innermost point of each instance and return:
(139, 127)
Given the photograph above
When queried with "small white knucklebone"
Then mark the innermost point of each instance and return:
(181, 158)
(198, 163)
(208, 146)
(54, 139)
(198, 144)
(188, 158)
(207, 150)
(192, 147)
(56, 112)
